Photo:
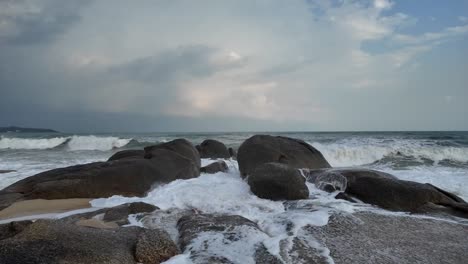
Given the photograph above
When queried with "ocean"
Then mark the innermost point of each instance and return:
(439, 158)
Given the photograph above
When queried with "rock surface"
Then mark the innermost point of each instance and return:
(118, 214)
(6, 171)
(213, 149)
(128, 154)
(155, 246)
(223, 239)
(261, 149)
(218, 166)
(388, 192)
(276, 181)
(55, 241)
(181, 146)
(384, 239)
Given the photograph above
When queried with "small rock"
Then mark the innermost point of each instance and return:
(218, 166)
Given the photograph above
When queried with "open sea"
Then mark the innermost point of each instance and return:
(439, 158)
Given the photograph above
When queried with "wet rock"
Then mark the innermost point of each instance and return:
(376, 238)
(47, 241)
(261, 149)
(232, 153)
(13, 228)
(276, 181)
(213, 149)
(218, 166)
(118, 214)
(181, 146)
(128, 154)
(155, 246)
(390, 193)
(55, 241)
(223, 239)
(127, 177)
(6, 171)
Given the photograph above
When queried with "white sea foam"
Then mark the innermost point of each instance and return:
(354, 152)
(96, 143)
(228, 193)
(71, 143)
(31, 143)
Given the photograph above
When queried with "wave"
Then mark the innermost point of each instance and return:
(343, 155)
(69, 143)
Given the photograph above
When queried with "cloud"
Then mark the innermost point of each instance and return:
(28, 22)
(296, 63)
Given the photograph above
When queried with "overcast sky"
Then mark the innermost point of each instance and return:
(170, 65)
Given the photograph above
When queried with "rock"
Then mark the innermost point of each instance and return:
(181, 146)
(127, 177)
(117, 214)
(6, 171)
(128, 154)
(218, 166)
(56, 241)
(223, 239)
(232, 153)
(375, 238)
(261, 149)
(388, 192)
(13, 228)
(276, 181)
(155, 246)
(213, 149)
(96, 223)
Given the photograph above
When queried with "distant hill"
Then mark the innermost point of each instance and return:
(26, 130)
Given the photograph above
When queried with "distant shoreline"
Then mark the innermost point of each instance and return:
(14, 129)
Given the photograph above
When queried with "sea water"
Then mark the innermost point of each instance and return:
(439, 158)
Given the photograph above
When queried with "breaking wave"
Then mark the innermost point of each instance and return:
(69, 143)
(342, 155)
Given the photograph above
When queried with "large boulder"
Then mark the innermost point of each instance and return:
(181, 146)
(386, 191)
(217, 166)
(127, 177)
(261, 149)
(276, 181)
(56, 241)
(213, 149)
(223, 239)
(128, 154)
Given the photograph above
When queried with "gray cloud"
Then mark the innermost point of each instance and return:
(172, 65)
(31, 22)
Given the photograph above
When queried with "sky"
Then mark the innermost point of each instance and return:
(244, 65)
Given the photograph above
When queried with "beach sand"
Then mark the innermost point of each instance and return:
(41, 206)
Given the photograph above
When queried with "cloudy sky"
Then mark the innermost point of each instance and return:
(170, 65)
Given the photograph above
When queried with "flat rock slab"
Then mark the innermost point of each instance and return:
(373, 238)
(41, 206)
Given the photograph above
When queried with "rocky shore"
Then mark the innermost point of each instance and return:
(424, 223)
